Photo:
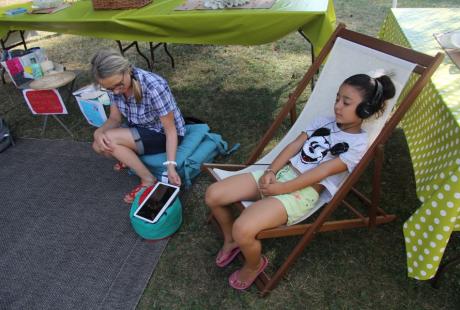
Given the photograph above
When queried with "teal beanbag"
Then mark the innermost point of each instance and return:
(197, 147)
(168, 223)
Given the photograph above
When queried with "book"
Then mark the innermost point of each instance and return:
(93, 111)
(20, 69)
(91, 92)
(91, 102)
(58, 8)
(15, 11)
(15, 71)
(30, 61)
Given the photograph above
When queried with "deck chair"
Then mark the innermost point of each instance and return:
(41, 93)
(347, 53)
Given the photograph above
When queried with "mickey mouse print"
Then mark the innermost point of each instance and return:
(318, 145)
(326, 141)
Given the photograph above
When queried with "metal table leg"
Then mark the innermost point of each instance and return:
(152, 52)
(135, 44)
(45, 121)
(63, 125)
(312, 55)
(153, 48)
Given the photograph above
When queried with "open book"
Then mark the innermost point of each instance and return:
(20, 69)
(91, 102)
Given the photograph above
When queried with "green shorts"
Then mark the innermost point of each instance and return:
(297, 203)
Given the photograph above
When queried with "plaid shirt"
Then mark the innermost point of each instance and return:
(157, 100)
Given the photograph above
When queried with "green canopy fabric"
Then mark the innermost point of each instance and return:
(159, 22)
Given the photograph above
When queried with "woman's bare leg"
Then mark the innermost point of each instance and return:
(220, 194)
(263, 214)
(98, 149)
(124, 149)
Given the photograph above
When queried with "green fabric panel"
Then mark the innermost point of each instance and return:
(159, 22)
(432, 130)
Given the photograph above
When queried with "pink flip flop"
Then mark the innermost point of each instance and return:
(225, 258)
(237, 284)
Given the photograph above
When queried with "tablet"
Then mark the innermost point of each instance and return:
(156, 202)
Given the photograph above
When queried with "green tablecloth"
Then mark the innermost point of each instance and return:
(432, 129)
(159, 22)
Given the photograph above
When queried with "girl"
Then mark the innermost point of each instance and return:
(315, 162)
(155, 123)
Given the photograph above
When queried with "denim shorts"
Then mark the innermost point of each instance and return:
(297, 203)
(149, 141)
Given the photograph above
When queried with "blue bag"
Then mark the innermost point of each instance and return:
(198, 146)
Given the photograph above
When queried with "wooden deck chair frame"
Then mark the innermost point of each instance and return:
(424, 67)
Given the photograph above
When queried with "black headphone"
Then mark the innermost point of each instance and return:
(367, 108)
(339, 148)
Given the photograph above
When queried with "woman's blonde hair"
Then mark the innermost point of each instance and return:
(109, 62)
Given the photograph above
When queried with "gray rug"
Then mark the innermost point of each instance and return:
(66, 241)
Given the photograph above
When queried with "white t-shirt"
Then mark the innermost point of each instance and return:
(326, 141)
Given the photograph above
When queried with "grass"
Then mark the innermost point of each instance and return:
(238, 91)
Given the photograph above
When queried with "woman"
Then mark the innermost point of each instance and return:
(154, 121)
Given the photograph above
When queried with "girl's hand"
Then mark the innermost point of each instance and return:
(268, 177)
(103, 140)
(173, 176)
(271, 189)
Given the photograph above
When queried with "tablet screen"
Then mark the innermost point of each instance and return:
(158, 199)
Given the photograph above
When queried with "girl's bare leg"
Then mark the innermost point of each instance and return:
(263, 214)
(220, 194)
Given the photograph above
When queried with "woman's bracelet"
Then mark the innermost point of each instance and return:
(270, 170)
(170, 162)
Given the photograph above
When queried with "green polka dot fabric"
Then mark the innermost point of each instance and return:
(432, 130)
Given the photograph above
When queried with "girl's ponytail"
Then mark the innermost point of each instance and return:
(389, 90)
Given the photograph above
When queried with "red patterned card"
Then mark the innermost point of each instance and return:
(44, 101)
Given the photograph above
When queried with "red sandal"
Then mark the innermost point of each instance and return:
(129, 197)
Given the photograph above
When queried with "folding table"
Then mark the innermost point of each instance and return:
(160, 22)
(432, 129)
